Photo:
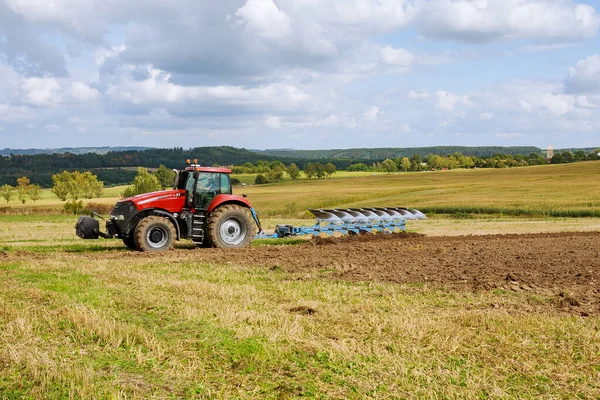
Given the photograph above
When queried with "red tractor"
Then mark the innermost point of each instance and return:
(200, 207)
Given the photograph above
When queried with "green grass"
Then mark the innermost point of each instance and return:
(75, 326)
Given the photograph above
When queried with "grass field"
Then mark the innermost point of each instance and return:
(88, 319)
(566, 190)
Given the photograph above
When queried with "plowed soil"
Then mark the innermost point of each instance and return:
(564, 267)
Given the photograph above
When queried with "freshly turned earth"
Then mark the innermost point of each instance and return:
(563, 266)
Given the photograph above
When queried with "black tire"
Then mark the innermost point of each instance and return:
(231, 226)
(129, 241)
(154, 234)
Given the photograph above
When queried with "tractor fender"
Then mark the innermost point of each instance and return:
(222, 199)
(158, 212)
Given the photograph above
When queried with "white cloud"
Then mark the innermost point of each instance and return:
(52, 128)
(158, 89)
(487, 116)
(584, 77)
(588, 102)
(83, 93)
(273, 122)
(490, 20)
(265, 18)
(418, 95)
(447, 101)
(397, 57)
(372, 114)
(41, 91)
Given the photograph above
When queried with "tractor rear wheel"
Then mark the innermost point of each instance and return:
(154, 234)
(231, 226)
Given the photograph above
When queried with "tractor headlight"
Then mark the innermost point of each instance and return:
(117, 217)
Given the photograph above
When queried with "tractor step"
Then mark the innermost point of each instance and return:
(198, 222)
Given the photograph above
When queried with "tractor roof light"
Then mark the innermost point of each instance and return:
(187, 162)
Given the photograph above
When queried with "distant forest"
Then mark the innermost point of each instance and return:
(383, 153)
(119, 167)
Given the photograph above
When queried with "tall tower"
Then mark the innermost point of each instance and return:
(549, 152)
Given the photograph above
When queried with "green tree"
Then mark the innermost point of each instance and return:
(75, 185)
(358, 167)
(260, 179)
(405, 164)
(144, 182)
(309, 170)
(61, 184)
(319, 170)
(275, 173)
(293, 171)
(7, 192)
(389, 166)
(415, 163)
(329, 169)
(92, 187)
(165, 176)
(35, 192)
(23, 189)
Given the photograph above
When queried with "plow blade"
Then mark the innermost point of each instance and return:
(350, 221)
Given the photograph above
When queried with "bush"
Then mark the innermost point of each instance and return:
(74, 207)
(235, 181)
(100, 208)
(261, 179)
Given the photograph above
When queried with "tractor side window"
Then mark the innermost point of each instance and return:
(225, 184)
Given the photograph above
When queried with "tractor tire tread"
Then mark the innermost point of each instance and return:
(219, 214)
(144, 225)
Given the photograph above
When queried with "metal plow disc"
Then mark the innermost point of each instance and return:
(349, 221)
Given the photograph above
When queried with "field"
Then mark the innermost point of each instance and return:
(486, 304)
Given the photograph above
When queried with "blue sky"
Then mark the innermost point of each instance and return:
(304, 74)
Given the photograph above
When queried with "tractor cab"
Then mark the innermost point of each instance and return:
(202, 185)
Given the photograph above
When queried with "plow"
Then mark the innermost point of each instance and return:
(350, 221)
(201, 207)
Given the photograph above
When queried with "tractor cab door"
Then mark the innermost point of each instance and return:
(208, 186)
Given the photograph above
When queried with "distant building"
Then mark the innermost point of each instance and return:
(549, 153)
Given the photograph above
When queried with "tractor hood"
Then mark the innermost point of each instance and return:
(170, 200)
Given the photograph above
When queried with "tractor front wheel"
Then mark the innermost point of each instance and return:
(154, 234)
(231, 226)
(130, 242)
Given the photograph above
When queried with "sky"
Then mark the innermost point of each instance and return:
(302, 74)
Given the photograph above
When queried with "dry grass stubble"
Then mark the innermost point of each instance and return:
(166, 326)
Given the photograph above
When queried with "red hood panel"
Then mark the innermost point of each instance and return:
(170, 200)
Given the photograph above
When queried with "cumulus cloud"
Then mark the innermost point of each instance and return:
(273, 122)
(372, 113)
(448, 101)
(491, 20)
(265, 18)
(584, 78)
(397, 57)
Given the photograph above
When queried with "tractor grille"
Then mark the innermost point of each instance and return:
(125, 208)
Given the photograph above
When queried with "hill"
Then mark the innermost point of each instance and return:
(393, 152)
(72, 150)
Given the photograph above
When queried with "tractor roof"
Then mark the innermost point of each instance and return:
(207, 169)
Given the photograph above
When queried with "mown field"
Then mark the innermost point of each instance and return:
(93, 320)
